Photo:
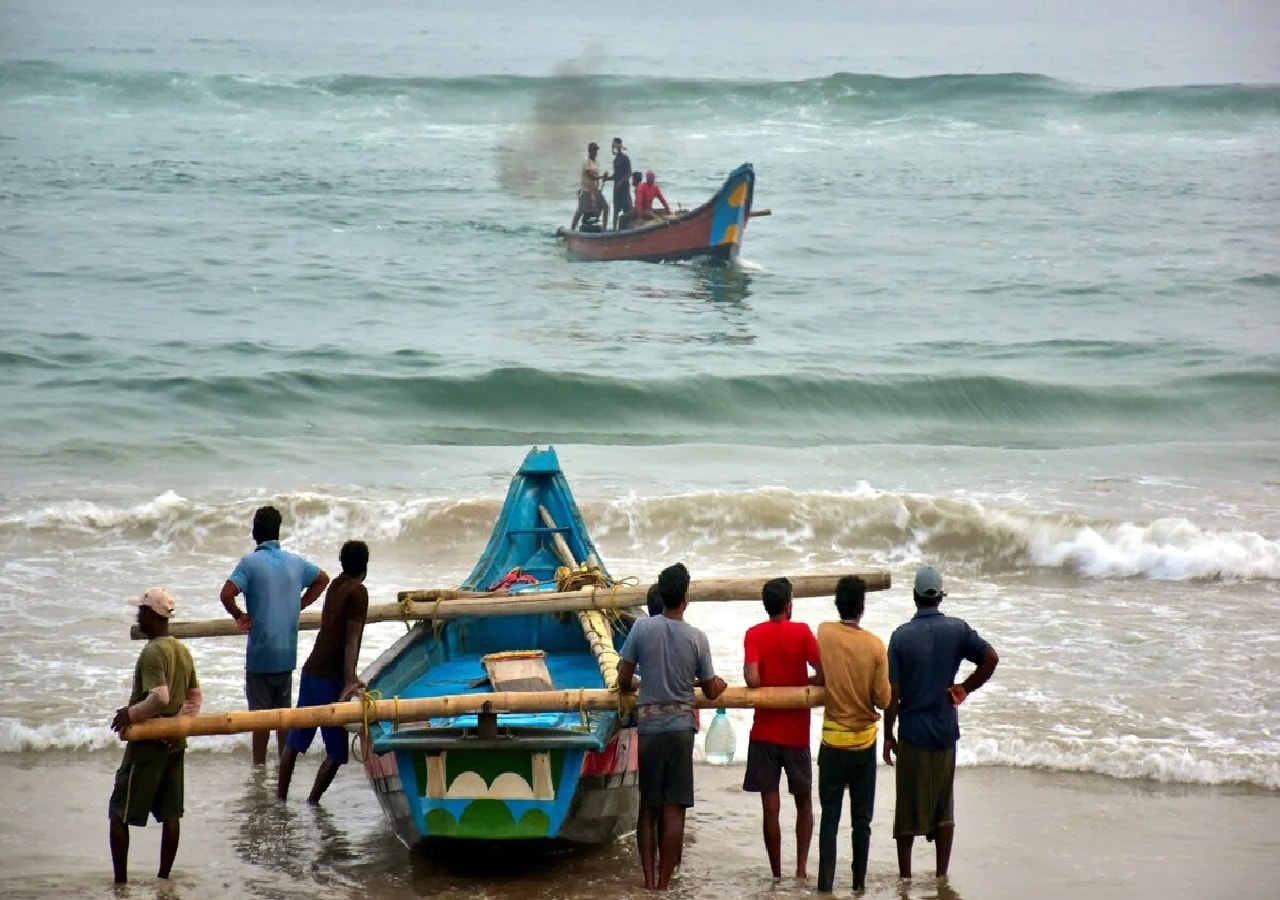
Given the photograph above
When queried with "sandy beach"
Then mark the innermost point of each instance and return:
(1020, 834)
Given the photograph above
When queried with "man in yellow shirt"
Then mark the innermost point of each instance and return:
(855, 669)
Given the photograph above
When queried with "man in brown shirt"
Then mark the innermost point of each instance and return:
(329, 674)
(855, 669)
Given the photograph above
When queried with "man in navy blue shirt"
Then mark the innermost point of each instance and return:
(621, 178)
(924, 657)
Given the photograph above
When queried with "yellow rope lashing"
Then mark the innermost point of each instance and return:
(436, 624)
(594, 624)
(368, 706)
(368, 711)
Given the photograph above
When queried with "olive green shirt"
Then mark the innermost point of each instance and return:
(165, 660)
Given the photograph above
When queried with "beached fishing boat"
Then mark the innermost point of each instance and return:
(713, 231)
(567, 776)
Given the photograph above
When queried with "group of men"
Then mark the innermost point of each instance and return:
(591, 200)
(276, 586)
(912, 682)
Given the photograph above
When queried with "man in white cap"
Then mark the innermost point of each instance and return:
(150, 777)
(924, 658)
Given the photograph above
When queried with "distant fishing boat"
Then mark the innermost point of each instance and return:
(713, 231)
(514, 776)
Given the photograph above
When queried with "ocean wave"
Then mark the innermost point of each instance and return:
(1128, 760)
(17, 736)
(841, 94)
(813, 528)
(519, 405)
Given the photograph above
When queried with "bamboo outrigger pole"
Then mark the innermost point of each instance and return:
(593, 623)
(441, 604)
(422, 709)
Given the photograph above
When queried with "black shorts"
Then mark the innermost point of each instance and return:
(268, 690)
(766, 762)
(622, 197)
(666, 769)
(149, 780)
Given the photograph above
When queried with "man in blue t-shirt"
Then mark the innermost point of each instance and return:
(924, 657)
(277, 586)
(674, 657)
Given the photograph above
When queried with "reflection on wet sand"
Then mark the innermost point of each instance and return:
(926, 888)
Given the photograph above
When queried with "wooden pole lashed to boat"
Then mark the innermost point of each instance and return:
(423, 709)
(442, 604)
(594, 625)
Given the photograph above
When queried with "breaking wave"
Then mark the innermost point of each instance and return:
(735, 527)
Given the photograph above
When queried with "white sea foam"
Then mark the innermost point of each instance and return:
(824, 526)
(1172, 549)
(79, 734)
(1132, 759)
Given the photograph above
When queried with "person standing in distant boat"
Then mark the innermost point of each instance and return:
(329, 674)
(621, 177)
(924, 657)
(150, 779)
(646, 194)
(856, 674)
(277, 586)
(778, 653)
(590, 198)
(674, 656)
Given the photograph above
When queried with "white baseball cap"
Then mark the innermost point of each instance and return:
(156, 599)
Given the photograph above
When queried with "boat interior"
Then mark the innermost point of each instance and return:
(449, 657)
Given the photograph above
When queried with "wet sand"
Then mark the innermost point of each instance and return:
(1020, 834)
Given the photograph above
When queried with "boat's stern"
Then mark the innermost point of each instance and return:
(439, 787)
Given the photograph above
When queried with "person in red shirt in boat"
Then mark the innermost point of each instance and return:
(646, 192)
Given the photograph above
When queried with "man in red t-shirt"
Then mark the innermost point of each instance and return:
(778, 653)
(646, 193)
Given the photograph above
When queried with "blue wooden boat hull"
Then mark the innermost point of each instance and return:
(547, 776)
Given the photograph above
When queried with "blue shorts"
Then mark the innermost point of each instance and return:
(316, 691)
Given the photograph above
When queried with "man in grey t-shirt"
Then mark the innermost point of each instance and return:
(675, 657)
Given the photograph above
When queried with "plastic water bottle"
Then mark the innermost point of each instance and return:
(721, 741)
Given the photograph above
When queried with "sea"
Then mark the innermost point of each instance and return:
(1015, 314)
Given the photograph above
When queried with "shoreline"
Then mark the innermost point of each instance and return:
(1020, 832)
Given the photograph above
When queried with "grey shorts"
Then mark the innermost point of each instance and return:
(666, 769)
(766, 761)
(268, 690)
